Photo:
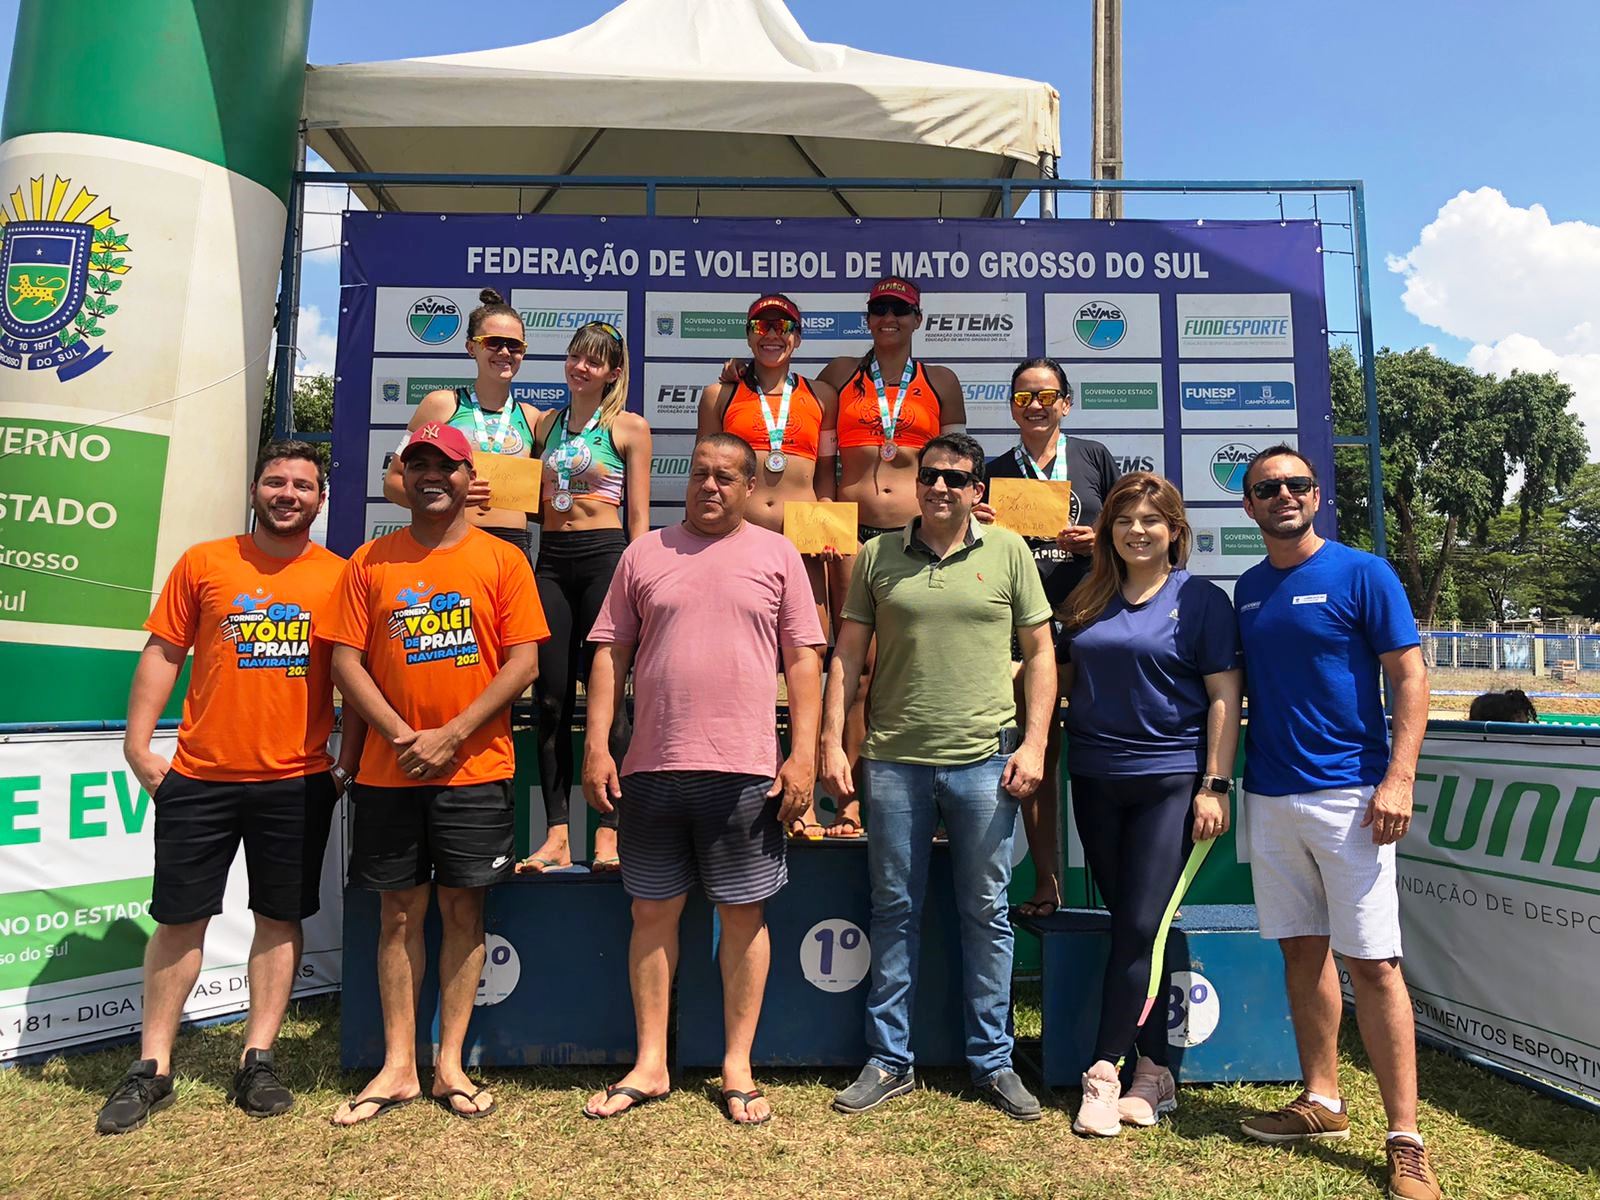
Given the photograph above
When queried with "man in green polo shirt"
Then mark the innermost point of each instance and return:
(943, 598)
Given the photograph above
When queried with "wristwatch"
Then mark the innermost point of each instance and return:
(341, 776)
(1219, 784)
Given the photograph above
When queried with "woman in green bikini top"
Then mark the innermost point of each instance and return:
(485, 412)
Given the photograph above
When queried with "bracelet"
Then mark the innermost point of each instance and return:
(341, 776)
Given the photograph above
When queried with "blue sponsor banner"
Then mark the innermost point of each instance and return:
(677, 288)
(1244, 396)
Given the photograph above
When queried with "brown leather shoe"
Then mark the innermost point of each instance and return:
(1301, 1120)
(1410, 1176)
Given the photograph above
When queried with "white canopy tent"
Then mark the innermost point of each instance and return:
(682, 88)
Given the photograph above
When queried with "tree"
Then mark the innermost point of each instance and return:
(313, 405)
(1576, 548)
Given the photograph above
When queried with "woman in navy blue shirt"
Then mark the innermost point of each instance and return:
(1151, 671)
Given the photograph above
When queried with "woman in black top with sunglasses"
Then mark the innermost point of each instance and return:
(485, 412)
(1041, 398)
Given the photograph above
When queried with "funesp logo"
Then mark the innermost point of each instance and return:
(434, 320)
(1099, 325)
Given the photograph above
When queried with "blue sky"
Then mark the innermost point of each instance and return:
(1423, 99)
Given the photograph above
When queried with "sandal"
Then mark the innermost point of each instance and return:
(850, 823)
(603, 866)
(538, 866)
(442, 1099)
(384, 1103)
(1036, 909)
(632, 1093)
(800, 830)
(745, 1098)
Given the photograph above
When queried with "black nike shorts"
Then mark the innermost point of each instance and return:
(460, 837)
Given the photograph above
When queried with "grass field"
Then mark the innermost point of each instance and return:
(1489, 1139)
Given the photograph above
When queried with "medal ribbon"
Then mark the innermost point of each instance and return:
(891, 421)
(1032, 470)
(776, 427)
(565, 454)
(500, 430)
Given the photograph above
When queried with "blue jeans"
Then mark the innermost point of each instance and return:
(905, 803)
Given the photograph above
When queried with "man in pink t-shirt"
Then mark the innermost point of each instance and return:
(701, 611)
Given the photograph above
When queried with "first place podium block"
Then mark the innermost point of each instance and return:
(1224, 1006)
(554, 989)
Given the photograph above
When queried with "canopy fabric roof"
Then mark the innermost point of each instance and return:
(681, 87)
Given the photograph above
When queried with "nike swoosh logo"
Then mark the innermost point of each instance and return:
(499, 862)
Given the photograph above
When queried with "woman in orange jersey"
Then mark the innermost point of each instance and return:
(788, 421)
(890, 406)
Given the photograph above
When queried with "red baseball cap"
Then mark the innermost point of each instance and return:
(895, 288)
(775, 303)
(449, 441)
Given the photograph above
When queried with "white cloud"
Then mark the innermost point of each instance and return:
(316, 343)
(1523, 289)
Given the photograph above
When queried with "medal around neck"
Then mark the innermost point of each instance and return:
(777, 461)
(887, 451)
(562, 501)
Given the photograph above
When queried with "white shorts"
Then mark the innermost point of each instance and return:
(1317, 873)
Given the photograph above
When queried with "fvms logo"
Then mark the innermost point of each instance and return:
(60, 269)
(1099, 325)
(434, 320)
(1228, 466)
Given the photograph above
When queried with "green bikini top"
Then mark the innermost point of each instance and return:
(483, 428)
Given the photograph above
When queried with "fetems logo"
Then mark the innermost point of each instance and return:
(1099, 325)
(1228, 466)
(434, 320)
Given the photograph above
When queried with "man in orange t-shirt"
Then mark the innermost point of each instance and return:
(252, 765)
(434, 631)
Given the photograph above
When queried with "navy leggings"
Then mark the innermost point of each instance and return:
(573, 572)
(1136, 834)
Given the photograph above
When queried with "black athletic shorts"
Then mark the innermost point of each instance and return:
(461, 837)
(283, 824)
(865, 533)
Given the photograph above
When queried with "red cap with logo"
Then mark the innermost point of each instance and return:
(774, 303)
(895, 288)
(447, 439)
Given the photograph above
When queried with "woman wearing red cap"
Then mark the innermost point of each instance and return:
(890, 406)
(788, 421)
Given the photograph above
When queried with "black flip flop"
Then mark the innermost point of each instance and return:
(384, 1103)
(443, 1101)
(744, 1098)
(640, 1099)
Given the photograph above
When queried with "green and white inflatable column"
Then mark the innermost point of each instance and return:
(146, 156)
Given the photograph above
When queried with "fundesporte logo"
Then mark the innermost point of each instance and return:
(434, 320)
(1228, 465)
(61, 269)
(1099, 325)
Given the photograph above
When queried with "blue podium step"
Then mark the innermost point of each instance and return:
(1224, 1006)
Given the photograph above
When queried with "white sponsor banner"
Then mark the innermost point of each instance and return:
(381, 446)
(423, 320)
(1238, 396)
(986, 390)
(399, 384)
(669, 472)
(1225, 542)
(1499, 883)
(384, 518)
(1214, 464)
(672, 393)
(76, 855)
(1098, 325)
(1136, 451)
(1115, 395)
(1235, 325)
(986, 324)
(552, 317)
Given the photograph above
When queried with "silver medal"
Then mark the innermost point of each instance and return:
(777, 461)
(562, 502)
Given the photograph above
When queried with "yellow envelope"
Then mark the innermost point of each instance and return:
(813, 527)
(513, 480)
(1038, 508)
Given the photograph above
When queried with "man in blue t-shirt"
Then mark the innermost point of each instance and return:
(1317, 621)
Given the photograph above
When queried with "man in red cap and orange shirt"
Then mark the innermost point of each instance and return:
(435, 630)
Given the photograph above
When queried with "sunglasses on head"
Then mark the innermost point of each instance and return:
(497, 343)
(953, 479)
(1266, 489)
(764, 325)
(882, 308)
(1045, 396)
(607, 328)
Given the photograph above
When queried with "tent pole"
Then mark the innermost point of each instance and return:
(289, 298)
(1047, 198)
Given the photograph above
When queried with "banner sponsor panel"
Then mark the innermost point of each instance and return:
(76, 855)
(1107, 301)
(1500, 902)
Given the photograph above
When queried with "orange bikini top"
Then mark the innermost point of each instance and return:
(861, 424)
(743, 417)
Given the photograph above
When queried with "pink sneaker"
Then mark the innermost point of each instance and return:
(1097, 1115)
(1151, 1093)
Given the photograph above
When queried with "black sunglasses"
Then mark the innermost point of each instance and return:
(1266, 489)
(953, 479)
(882, 308)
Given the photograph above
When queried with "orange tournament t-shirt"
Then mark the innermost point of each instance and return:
(435, 625)
(260, 699)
